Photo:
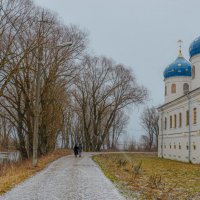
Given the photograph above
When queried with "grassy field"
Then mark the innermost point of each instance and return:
(144, 176)
(14, 173)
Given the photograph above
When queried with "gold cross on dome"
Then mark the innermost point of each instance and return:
(180, 47)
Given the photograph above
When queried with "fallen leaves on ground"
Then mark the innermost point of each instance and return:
(14, 173)
(151, 177)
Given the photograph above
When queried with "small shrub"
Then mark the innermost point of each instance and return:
(2, 169)
(156, 182)
(4, 166)
(122, 162)
(137, 169)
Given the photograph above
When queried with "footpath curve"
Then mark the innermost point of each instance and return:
(67, 178)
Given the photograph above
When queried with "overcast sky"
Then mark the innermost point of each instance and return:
(142, 34)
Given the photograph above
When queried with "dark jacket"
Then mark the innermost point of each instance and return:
(76, 149)
(80, 148)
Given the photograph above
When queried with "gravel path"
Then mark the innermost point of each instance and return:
(68, 178)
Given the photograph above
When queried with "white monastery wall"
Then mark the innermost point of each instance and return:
(195, 83)
(179, 82)
(175, 140)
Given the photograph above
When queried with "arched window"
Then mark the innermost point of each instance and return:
(187, 117)
(170, 121)
(174, 121)
(193, 72)
(174, 146)
(173, 88)
(194, 146)
(180, 119)
(194, 115)
(185, 88)
(165, 123)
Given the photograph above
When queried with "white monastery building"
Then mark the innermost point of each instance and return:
(179, 116)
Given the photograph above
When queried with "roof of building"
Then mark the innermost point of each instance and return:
(180, 67)
(194, 48)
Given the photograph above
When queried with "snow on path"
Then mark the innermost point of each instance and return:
(68, 178)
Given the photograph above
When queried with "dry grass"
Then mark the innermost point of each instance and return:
(14, 173)
(148, 177)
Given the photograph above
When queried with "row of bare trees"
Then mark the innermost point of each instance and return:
(24, 40)
(82, 98)
(99, 95)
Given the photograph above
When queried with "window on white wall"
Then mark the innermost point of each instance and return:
(194, 146)
(173, 88)
(170, 121)
(187, 117)
(193, 72)
(174, 121)
(185, 88)
(194, 115)
(165, 90)
(180, 119)
(165, 123)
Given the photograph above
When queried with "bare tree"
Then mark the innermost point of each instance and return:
(117, 129)
(100, 93)
(5, 131)
(149, 121)
(14, 20)
(144, 143)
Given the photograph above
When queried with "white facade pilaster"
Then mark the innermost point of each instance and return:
(195, 82)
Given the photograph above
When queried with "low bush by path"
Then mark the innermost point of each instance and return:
(14, 173)
(145, 176)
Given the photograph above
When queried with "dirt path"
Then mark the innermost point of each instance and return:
(68, 178)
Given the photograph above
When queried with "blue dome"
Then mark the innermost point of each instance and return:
(180, 67)
(195, 47)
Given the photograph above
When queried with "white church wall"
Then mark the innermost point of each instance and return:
(195, 83)
(178, 137)
(182, 108)
(195, 148)
(175, 110)
(195, 104)
(178, 81)
(179, 147)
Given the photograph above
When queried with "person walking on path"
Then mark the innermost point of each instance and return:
(80, 149)
(76, 150)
